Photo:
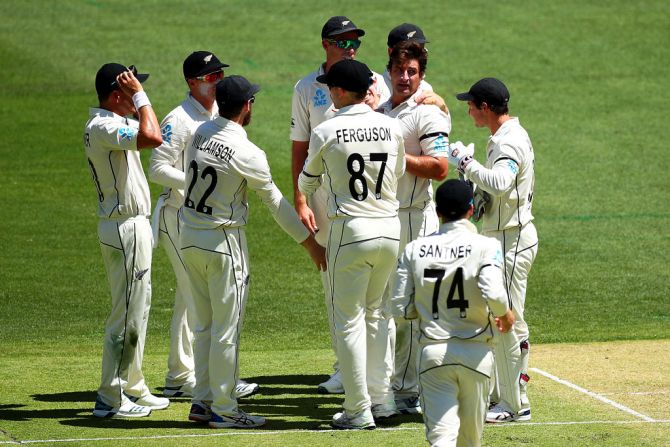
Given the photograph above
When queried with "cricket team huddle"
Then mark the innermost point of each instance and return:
(426, 315)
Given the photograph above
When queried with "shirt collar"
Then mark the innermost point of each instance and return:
(199, 107)
(409, 102)
(230, 126)
(458, 225)
(505, 128)
(354, 109)
(93, 111)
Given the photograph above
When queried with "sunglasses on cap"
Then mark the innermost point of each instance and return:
(346, 43)
(211, 77)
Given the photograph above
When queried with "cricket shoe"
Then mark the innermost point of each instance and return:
(384, 411)
(151, 401)
(127, 409)
(361, 421)
(184, 390)
(409, 405)
(332, 386)
(499, 413)
(239, 420)
(200, 412)
(246, 389)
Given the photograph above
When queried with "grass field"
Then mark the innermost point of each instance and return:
(589, 81)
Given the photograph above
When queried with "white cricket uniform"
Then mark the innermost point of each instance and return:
(124, 233)
(360, 156)
(167, 169)
(424, 86)
(425, 129)
(311, 105)
(222, 165)
(509, 177)
(450, 282)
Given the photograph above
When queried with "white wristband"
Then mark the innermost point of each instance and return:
(140, 99)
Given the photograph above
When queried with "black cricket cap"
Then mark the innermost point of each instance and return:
(235, 90)
(105, 78)
(453, 199)
(489, 90)
(349, 74)
(200, 63)
(406, 31)
(339, 25)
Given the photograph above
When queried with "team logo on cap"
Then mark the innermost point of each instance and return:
(411, 34)
(346, 22)
(208, 58)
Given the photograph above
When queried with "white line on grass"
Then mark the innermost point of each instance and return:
(594, 395)
(326, 431)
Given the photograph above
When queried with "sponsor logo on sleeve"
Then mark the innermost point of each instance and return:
(320, 98)
(126, 133)
(166, 132)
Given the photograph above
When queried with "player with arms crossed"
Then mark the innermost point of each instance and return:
(311, 105)
(222, 166)
(112, 143)
(202, 70)
(504, 196)
(361, 156)
(425, 130)
(451, 283)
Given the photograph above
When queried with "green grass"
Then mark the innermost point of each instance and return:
(588, 80)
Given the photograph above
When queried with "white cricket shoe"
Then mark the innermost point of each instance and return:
(360, 421)
(151, 401)
(127, 409)
(240, 420)
(409, 405)
(499, 414)
(183, 390)
(384, 411)
(246, 389)
(333, 385)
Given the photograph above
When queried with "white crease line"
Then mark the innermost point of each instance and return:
(594, 395)
(636, 393)
(327, 431)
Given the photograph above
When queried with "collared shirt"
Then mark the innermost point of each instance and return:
(110, 143)
(167, 161)
(361, 152)
(508, 176)
(450, 281)
(222, 165)
(312, 104)
(425, 129)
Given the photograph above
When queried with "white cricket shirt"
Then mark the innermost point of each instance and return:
(449, 281)
(221, 166)
(167, 160)
(425, 129)
(110, 142)
(312, 105)
(362, 155)
(508, 176)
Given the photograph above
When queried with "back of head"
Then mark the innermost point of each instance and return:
(408, 50)
(350, 75)
(232, 93)
(453, 200)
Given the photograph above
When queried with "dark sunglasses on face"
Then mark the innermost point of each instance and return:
(211, 77)
(346, 43)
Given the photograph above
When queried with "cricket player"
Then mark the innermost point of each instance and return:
(340, 39)
(403, 33)
(222, 166)
(451, 283)
(505, 197)
(425, 130)
(202, 70)
(359, 156)
(112, 143)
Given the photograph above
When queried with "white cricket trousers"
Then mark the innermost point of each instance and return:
(218, 269)
(126, 252)
(454, 381)
(362, 253)
(404, 334)
(180, 357)
(520, 249)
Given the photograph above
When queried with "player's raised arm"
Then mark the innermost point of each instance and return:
(149, 134)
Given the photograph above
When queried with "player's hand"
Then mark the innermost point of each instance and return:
(461, 155)
(306, 216)
(373, 96)
(128, 83)
(432, 98)
(505, 322)
(316, 252)
(481, 199)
